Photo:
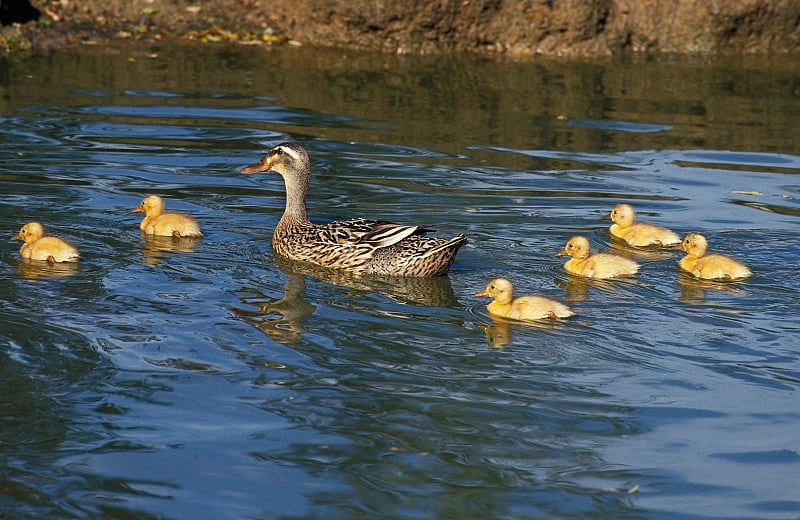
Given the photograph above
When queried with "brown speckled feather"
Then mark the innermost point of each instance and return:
(357, 245)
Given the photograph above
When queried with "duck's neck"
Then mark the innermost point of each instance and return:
(295, 212)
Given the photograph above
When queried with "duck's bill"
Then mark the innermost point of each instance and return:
(481, 293)
(16, 237)
(261, 166)
(561, 253)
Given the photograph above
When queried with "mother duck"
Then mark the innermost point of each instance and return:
(357, 245)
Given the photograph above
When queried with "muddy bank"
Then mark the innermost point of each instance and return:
(518, 29)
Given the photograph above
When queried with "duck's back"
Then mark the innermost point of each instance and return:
(367, 247)
(50, 247)
(417, 255)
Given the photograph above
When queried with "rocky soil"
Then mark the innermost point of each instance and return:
(519, 29)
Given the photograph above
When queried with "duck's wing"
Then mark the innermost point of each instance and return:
(362, 232)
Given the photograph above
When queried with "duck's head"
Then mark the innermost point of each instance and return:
(30, 232)
(694, 244)
(287, 159)
(151, 206)
(576, 247)
(623, 215)
(499, 289)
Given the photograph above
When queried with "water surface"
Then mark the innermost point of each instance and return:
(210, 379)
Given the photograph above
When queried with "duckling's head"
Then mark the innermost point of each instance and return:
(576, 247)
(30, 232)
(498, 289)
(151, 206)
(288, 159)
(623, 215)
(695, 244)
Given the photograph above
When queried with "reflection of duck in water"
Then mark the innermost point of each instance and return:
(598, 265)
(498, 334)
(44, 248)
(292, 310)
(356, 245)
(709, 267)
(156, 247)
(693, 289)
(429, 291)
(639, 234)
(524, 308)
(158, 223)
(32, 269)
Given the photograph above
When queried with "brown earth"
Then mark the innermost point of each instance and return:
(520, 28)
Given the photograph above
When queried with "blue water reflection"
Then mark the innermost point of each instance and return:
(175, 379)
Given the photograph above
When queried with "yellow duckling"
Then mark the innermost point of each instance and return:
(39, 247)
(639, 235)
(158, 223)
(710, 267)
(522, 308)
(600, 265)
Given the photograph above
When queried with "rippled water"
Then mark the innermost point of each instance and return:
(211, 380)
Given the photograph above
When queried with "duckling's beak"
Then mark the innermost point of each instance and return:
(606, 216)
(678, 247)
(561, 253)
(137, 209)
(261, 166)
(482, 293)
(17, 237)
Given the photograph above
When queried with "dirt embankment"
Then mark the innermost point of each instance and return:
(515, 28)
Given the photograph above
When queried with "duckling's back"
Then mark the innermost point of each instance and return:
(642, 235)
(172, 224)
(537, 308)
(602, 265)
(715, 267)
(47, 248)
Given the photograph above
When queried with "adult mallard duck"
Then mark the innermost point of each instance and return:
(47, 248)
(639, 234)
(357, 245)
(710, 267)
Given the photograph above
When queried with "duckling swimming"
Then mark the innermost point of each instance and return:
(158, 223)
(639, 235)
(709, 267)
(599, 265)
(39, 247)
(522, 308)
